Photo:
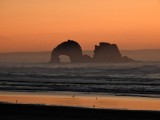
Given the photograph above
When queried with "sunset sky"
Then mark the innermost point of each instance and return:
(40, 25)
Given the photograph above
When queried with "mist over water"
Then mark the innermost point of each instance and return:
(32, 72)
(44, 57)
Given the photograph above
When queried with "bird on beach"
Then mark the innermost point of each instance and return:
(73, 96)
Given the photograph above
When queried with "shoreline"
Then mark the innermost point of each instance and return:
(76, 99)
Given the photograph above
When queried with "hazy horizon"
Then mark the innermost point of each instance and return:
(45, 56)
(10, 52)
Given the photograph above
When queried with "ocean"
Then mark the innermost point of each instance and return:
(32, 72)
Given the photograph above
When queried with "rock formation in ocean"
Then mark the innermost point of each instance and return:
(69, 48)
(103, 53)
(107, 52)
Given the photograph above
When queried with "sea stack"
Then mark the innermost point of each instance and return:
(69, 48)
(104, 53)
(107, 52)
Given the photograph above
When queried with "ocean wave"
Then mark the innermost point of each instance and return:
(117, 79)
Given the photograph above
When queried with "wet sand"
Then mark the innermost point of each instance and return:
(82, 100)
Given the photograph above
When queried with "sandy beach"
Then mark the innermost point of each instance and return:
(82, 100)
(76, 106)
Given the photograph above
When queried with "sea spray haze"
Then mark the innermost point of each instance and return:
(32, 72)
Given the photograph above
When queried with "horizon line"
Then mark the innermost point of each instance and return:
(82, 50)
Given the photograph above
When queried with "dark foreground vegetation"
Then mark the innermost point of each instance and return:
(42, 112)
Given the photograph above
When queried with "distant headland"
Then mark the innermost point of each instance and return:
(103, 53)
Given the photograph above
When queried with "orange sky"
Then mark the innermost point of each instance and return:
(39, 25)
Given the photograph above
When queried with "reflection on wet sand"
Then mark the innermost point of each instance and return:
(80, 100)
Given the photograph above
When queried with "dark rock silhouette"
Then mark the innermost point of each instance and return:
(126, 59)
(69, 48)
(86, 58)
(105, 52)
